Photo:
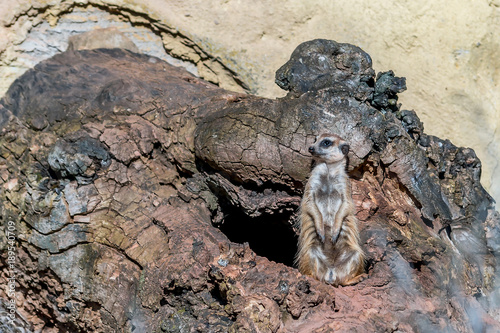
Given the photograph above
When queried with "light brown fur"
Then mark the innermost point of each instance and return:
(328, 248)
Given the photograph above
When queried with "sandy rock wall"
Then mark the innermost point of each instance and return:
(447, 51)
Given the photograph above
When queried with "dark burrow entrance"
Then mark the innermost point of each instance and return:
(269, 236)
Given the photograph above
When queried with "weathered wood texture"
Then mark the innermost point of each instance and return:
(148, 200)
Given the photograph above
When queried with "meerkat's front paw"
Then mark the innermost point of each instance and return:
(321, 235)
(335, 236)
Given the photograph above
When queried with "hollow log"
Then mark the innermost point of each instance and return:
(144, 199)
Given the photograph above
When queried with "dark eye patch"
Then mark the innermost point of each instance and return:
(326, 143)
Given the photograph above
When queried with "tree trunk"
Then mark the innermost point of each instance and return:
(143, 199)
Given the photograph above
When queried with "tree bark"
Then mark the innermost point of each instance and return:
(147, 200)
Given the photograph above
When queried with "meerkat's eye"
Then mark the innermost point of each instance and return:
(326, 143)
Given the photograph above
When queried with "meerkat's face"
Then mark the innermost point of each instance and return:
(329, 148)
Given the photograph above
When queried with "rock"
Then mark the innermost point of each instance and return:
(108, 38)
(387, 86)
(78, 157)
(324, 63)
(177, 201)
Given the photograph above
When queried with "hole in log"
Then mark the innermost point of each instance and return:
(269, 236)
(218, 295)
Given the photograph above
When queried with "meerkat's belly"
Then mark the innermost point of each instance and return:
(329, 198)
(329, 204)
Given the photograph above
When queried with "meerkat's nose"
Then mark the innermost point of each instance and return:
(311, 149)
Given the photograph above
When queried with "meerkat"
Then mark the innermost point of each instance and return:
(328, 246)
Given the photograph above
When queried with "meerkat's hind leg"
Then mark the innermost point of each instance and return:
(332, 278)
(357, 270)
(355, 280)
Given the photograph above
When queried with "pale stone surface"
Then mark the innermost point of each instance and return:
(447, 51)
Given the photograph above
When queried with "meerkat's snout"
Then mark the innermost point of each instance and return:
(311, 149)
(344, 148)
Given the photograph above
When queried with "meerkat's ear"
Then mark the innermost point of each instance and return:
(344, 148)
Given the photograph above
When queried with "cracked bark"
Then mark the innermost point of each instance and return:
(146, 199)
